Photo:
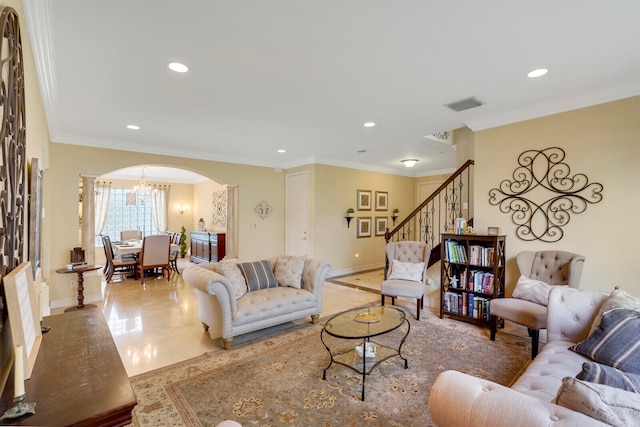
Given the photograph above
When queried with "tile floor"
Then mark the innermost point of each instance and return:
(157, 324)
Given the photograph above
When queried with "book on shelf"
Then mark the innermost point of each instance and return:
(455, 252)
(481, 255)
(480, 281)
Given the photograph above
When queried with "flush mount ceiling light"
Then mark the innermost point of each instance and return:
(282, 151)
(537, 72)
(133, 127)
(177, 67)
(409, 162)
(369, 124)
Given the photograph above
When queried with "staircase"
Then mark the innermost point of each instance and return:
(438, 212)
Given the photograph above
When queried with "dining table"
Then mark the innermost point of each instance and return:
(127, 247)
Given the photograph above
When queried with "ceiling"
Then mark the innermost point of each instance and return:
(304, 76)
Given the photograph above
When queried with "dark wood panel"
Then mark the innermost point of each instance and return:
(207, 247)
(78, 378)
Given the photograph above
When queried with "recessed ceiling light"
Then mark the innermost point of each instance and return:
(177, 67)
(282, 151)
(537, 73)
(369, 124)
(133, 127)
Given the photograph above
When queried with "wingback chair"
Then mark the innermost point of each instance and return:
(556, 268)
(399, 283)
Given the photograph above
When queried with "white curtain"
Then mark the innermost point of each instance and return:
(159, 198)
(102, 192)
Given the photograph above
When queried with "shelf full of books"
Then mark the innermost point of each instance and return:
(472, 274)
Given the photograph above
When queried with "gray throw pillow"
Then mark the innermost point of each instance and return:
(258, 275)
(615, 342)
(603, 374)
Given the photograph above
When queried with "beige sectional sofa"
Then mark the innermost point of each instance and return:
(227, 311)
(458, 399)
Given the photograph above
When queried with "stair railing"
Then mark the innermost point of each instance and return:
(438, 212)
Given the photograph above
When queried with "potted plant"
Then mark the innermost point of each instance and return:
(350, 212)
(183, 242)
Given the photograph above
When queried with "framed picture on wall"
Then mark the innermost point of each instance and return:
(381, 225)
(381, 200)
(364, 227)
(364, 200)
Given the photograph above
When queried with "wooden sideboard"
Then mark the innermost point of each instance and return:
(78, 378)
(207, 247)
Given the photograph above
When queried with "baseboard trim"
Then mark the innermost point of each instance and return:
(354, 270)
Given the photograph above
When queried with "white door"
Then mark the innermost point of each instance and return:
(296, 213)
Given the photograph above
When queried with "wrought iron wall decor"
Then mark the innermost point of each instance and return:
(544, 171)
(13, 185)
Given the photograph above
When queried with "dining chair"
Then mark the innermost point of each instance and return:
(131, 235)
(154, 255)
(115, 264)
(405, 273)
(173, 254)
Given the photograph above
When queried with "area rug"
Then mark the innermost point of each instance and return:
(277, 380)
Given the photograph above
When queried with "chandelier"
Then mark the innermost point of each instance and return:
(142, 185)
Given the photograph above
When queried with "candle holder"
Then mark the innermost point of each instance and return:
(20, 409)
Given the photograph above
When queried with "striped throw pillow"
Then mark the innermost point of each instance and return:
(615, 342)
(258, 275)
(603, 374)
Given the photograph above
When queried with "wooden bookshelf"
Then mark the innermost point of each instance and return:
(472, 273)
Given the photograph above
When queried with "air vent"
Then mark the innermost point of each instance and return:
(464, 104)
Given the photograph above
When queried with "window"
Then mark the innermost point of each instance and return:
(128, 210)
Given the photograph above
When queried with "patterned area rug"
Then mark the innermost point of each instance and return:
(277, 380)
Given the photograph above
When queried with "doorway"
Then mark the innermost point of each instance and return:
(297, 214)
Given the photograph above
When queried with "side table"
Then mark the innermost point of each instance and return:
(79, 270)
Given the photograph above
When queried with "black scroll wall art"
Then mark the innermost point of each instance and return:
(12, 141)
(541, 172)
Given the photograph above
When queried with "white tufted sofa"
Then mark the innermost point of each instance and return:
(224, 316)
(458, 399)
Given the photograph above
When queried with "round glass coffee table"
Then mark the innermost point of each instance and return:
(365, 323)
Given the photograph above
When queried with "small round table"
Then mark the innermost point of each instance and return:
(365, 323)
(79, 270)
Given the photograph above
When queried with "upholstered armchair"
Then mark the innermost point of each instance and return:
(405, 273)
(554, 268)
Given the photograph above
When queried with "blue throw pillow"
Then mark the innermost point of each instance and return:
(603, 374)
(615, 342)
(258, 275)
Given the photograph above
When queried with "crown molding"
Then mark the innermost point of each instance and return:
(556, 106)
(38, 17)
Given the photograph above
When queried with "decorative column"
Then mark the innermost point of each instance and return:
(232, 227)
(88, 218)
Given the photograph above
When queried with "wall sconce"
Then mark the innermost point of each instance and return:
(409, 162)
(394, 215)
(182, 209)
(349, 216)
